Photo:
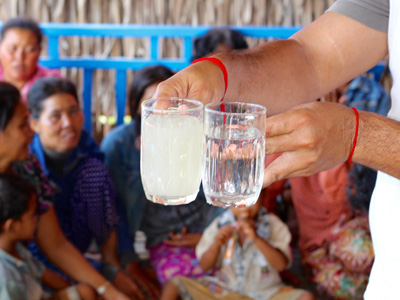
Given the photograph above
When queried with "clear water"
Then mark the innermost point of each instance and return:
(233, 167)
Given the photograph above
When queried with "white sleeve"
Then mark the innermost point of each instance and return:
(207, 239)
(280, 237)
(372, 13)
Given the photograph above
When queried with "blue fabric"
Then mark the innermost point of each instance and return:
(123, 159)
(367, 94)
(85, 204)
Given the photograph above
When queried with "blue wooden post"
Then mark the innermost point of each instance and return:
(52, 46)
(120, 95)
(187, 48)
(154, 45)
(87, 99)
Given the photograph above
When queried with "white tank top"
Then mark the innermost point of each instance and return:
(384, 283)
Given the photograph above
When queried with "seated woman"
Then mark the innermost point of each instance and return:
(172, 232)
(15, 137)
(70, 158)
(20, 46)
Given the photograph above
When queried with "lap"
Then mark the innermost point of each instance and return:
(170, 261)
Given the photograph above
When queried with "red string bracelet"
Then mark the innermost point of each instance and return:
(355, 136)
(220, 65)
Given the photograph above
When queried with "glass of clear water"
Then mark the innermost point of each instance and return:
(234, 156)
(171, 149)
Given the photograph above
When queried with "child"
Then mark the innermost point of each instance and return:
(249, 247)
(21, 275)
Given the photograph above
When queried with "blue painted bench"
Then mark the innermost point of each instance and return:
(121, 64)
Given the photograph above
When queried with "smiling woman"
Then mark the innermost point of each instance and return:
(15, 136)
(20, 46)
(85, 204)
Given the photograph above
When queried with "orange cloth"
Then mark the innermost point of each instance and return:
(319, 201)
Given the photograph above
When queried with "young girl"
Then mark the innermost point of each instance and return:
(248, 247)
(21, 275)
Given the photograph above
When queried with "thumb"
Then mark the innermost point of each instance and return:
(279, 169)
(167, 88)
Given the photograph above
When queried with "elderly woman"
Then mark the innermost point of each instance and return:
(71, 159)
(15, 137)
(20, 46)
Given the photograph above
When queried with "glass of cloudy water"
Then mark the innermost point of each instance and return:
(233, 163)
(171, 149)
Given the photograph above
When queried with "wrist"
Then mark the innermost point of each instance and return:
(217, 62)
(101, 290)
(354, 141)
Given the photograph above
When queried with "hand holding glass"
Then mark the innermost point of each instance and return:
(171, 149)
(234, 156)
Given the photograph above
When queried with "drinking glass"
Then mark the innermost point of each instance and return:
(233, 163)
(171, 149)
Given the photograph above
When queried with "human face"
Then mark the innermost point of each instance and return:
(148, 94)
(26, 225)
(19, 55)
(60, 123)
(16, 137)
(246, 212)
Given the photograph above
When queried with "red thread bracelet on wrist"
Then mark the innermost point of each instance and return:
(355, 136)
(220, 65)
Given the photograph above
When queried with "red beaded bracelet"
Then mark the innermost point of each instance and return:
(355, 136)
(220, 65)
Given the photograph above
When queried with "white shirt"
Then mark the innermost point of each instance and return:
(384, 281)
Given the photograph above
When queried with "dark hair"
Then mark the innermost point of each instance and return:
(46, 87)
(361, 181)
(208, 43)
(22, 23)
(15, 193)
(9, 99)
(141, 81)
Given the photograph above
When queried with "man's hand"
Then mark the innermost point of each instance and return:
(203, 81)
(311, 137)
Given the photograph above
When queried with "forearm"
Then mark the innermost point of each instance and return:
(270, 75)
(377, 143)
(52, 241)
(209, 258)
(109, 250)
(313, 62)
(54, 281)
(274, 257)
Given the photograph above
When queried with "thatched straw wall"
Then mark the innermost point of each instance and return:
(208, 12)
(194, 12)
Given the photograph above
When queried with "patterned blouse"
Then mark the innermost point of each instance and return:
(31, 170)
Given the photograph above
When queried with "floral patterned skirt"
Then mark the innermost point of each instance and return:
(170, 261)
(342, 266)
